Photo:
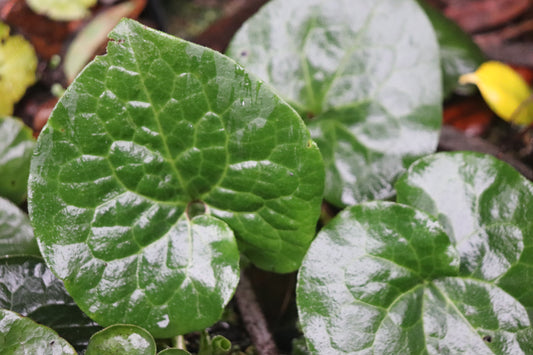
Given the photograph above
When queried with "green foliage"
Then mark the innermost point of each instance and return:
(122, 339)
(486, 208)
(16, 147)
(164, 161)
(29, 288)
(20, 335)
(16, 233)
(403, 282)
(217, 345)
(145, 134)
(370, 92)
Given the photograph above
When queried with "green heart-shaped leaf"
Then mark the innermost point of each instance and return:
(394, 288)
(16, 148)
(486, 208)
(143, 136)
(459, 54)
(29, 288)
(20, 335)
(365, 73)
(122, 339)
(16, 233)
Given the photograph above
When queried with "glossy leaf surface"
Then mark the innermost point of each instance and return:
(16, 148)
(459, 54)
(122, 339)
(20, 335)
(154, 128)
(395, 288)
(370, 93)
(486, 208)
(29, 288)
(16, 233)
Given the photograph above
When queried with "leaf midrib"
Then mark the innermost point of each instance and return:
(452, 304)
(425, 286)
(342, 64)
(156, 115)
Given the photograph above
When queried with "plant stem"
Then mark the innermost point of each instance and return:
(326, 213)
(179, 342)
(253, 318)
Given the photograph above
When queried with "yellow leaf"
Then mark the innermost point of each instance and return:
(62, 10)
(18, 63)
(4, 31)
(504, 90)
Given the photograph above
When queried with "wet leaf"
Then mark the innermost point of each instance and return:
(29, 288)
(504, 90)
(486, 208)
(18, 63)
(395, 288)
(122, 339)
(16, 148)
(144, 136)
(459, 54)
(62, 10)
(16, 233)
(20, 335)
(371, 93)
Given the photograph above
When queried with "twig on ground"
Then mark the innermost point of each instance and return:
(253, 318)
